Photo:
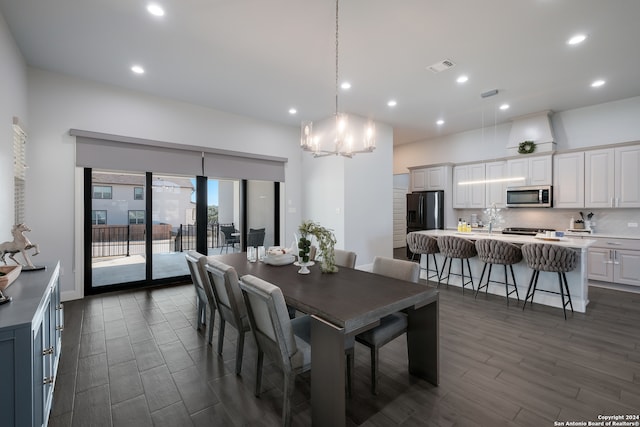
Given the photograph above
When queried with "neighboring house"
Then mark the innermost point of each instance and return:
(119, 199)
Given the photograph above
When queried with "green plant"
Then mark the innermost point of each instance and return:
(326, 241)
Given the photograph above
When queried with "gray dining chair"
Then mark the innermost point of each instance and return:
(204, 294)
(255, 237)
(393, 325)
(345, 258)
(228, 232)
(230, 303)
(277, 336)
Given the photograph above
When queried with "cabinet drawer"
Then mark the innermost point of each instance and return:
(609, 243)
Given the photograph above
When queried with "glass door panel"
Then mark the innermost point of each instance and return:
(117, 228)
(173, 217)
(260, 213)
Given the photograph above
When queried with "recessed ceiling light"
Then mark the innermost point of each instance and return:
(137, 69)
(504, 106)
(155, 9)
(440, 122)
(462, 79)
(293, 111)
(597, 83)
(345, 85)
(577, 39)
(392, 103)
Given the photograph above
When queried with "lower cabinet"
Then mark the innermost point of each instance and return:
(30, 342)
(616, 261)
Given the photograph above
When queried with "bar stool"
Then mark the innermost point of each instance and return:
(491, 251)
(457, 247)
(419, 244)
(553, 258)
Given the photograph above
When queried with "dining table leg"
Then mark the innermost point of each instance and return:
(328, 407)
(423, 341)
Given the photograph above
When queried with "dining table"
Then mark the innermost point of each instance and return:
(343, 304)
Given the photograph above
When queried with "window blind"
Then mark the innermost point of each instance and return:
(19, 171)
(114, 152)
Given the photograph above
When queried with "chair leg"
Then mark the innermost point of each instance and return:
(515, 285)
(564, 308)
(435, 262)
(566, 285)
(289, 387)
(533, 275)
(259, 373)
(482, 277)
(462, 273)
(486, 289)
(448, 271)
(374, 370)
(470, 276)
(239, 351)
(221, 336)
(211, 321)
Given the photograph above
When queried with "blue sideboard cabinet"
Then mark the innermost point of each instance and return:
(30, 341)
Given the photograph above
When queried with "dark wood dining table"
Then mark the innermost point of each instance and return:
(347, 303)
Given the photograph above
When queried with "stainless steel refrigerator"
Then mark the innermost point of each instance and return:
(425, 211)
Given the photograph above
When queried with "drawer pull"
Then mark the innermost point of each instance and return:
(47, 351)
(614, 244)
(47, 380)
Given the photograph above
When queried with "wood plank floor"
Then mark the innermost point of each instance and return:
(135, 359)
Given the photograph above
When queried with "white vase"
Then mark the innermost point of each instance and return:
(304, 268)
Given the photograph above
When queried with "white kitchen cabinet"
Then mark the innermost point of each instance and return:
(430, 178)
(568, 180)
(535, 170)
(496, 186)
(469, 186)
(615, 260)
(612, 177)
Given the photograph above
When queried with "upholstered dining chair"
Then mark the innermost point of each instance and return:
(229, 239)
(204, 294)
(255, 237)
(277, 336)
(345, 258)
(393, 325)
(230, 303)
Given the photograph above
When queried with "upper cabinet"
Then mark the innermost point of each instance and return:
(568, 180)
(535, 170)
(469, 186)
(430, 178)
(612, 177)
(496, 185)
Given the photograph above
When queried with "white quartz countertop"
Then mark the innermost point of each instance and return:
(579, 243)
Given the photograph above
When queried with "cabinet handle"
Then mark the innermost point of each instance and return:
(60, 307)
(60, 328)
(47, 351)
(614, 244)
(47, 380)
(615, 258)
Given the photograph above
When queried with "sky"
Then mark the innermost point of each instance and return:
(212, 193)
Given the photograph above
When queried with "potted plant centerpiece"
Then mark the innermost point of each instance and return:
(326, 241)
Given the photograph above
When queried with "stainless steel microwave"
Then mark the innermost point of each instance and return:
(536, 196)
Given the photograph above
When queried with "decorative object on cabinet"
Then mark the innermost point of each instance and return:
(326, 241)
(20, 244)
(8, 274)
(526, 147)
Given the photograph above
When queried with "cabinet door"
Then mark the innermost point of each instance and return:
(600, 264)
(418, 180)
(518, 169)
(599, 184)
(496, 186)
(627, 265)
(460, 189)
(627, 177)
(475, 195)
(540, 170)
(568, 180)
(436, 178)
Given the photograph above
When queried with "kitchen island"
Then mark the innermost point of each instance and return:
(577, 279)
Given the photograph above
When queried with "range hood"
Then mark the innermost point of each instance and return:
(532, 127)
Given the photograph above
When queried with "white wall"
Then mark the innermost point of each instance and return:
(57, 103)
(13, 103)
(354, 197)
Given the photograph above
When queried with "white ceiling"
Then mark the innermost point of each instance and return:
(259, 58)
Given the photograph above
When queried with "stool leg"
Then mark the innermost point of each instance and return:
(435, 262)
(470, 276)
(566, 285)
(515, 285)
(482, 277)
(486, 291)
(506, 284)
(533, 275)
(564, 311)
(462, 273)
(448, 271)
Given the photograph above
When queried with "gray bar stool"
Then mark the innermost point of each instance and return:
(553, 258)
(419, 244)
(491, 251)
(457, 247)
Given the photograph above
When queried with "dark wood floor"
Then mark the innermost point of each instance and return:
(135, 359)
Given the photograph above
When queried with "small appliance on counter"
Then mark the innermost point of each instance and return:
(525, 231)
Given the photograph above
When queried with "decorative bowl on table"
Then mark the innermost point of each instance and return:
(8, 274)
(277, 255)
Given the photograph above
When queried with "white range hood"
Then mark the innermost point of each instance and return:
(532, 127)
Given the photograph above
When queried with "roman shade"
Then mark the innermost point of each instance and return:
(115, 152)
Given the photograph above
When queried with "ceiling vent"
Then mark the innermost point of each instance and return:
(441, 66)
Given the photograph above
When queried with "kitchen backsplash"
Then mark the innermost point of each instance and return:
(607, 221)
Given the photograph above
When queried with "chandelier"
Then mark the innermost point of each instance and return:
(337, 137)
